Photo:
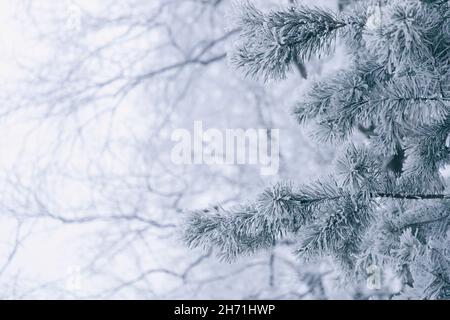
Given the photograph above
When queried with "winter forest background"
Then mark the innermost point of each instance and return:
(91, 205)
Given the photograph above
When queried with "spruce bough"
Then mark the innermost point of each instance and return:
(364, 213)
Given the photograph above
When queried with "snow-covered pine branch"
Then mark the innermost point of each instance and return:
(270, 42)
(398, 81)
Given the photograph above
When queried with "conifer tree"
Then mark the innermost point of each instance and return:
(386, 202)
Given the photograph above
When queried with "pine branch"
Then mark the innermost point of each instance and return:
(279, 211)
(244, 229)
(349, 98)
(272, 42)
